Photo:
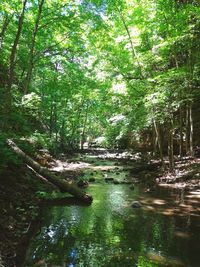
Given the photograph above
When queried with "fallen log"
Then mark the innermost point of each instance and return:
(62, 185)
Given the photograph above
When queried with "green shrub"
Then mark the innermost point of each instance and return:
(7, 156)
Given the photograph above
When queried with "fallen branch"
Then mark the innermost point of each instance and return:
(62, 185)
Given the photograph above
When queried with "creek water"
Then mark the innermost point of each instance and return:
(165, 231)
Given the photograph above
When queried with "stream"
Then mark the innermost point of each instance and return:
(165, 231)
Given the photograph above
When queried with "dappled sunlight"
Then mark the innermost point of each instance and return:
(194, 194)
(183, 235)
(61, 166)
(112, 230)
(99, 133)
(102, 232)
(186, 175)
(186, 204)
(168, 212)
(150, 208)
(159, 202)
(158, 258)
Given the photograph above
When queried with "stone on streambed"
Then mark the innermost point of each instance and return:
(116, 182)
(109, 179)
(136, 204)
(132, 187)
(82, 183)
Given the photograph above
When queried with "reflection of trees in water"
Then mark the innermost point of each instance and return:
(52, 243)
(108, 233)
(97, 228)
(155, 236)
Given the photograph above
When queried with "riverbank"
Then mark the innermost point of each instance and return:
(21, 189)
(19, 207)
(19, 203)
(186, 175)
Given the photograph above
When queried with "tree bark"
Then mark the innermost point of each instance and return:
(15, 44)
(191, 130)
(187, 130)
(181, 132)
(154, 141)
(134, 54)
(171, 144)
(8, 93)
(157, 132)
(32, 48)
(6, 22)
(84, 127)
(62, 185)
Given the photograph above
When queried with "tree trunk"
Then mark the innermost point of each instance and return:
(133, 51)
(171, 144)
(62, 185)
(31, 53)
(154, 141)
(8, 93)
(157, 132)
(191, 130)
(4, 28)
(62, 134)
(15, 44)
(181, 132)
(75, 124)
(84, 127)
(187, 132)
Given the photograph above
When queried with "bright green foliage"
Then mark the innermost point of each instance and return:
(81, 64)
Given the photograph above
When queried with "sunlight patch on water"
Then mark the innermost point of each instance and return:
(110, 233)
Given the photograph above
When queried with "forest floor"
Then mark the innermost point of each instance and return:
(186, 175)
(19, 202)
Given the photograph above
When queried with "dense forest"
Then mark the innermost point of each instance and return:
(83, 75)
(126, 73)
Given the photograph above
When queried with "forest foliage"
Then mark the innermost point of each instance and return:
(122, 74)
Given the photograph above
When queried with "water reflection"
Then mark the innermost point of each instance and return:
(111, 233)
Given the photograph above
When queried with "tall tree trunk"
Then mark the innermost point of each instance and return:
(191, 63)
(84, 127)
(159, 142)
(187, 130)
(63, 185)
(154, 141)
(171, 144)
(181, 132)
(62, 133)
(133, 51)
(75, 124)
(6, 22)
(8, 94)
(32, 48)
(191, 130)
(51, 120)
